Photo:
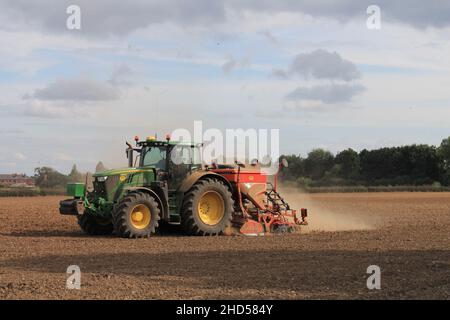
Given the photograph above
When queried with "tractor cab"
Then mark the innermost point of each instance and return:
(172, 161)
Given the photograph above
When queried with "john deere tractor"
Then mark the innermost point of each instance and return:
(166, 184)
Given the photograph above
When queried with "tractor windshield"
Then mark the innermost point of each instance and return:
(155, 157)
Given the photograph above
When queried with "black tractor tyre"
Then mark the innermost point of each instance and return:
(193, 209)
(136, 216)
(93, 225)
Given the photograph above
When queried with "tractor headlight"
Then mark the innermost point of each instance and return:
(102, 179)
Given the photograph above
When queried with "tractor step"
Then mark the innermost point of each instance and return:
(174, 219)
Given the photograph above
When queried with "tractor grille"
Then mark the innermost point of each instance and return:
(100, 188)
(104, 188)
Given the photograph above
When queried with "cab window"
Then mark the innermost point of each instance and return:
(197, 159)
(156, 157)
(181, 155)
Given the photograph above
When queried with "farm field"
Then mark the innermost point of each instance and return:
(406, 234)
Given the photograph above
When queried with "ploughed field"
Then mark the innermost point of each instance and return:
(406, 234)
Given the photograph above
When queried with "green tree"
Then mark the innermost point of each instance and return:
(75, 175)
(444, 154)
(296, 168)
(349, 164)
(414, 164)
(100, 167)
(47, 177)
(318, 162)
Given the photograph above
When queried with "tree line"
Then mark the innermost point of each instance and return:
(47, 177)
(413, 165)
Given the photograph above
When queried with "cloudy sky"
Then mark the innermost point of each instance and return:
(309, 68)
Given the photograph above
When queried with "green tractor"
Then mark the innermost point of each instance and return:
(166, 184)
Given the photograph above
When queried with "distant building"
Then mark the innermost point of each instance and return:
(16, 180)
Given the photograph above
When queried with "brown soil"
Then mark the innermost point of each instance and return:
(406, 234)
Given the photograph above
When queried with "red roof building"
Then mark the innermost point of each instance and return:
(16, 179)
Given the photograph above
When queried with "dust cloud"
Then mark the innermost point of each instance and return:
(321, 217)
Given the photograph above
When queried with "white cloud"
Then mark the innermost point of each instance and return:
(269, 36)
(181, 55)
(115, 17)
(328, 94)
(321, 64)
(231, 64)
(49, 111)
(121, 75)
(61, 156)
(79, 89)
(19, 156)
(111, 17)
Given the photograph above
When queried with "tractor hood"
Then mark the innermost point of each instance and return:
(128, 170)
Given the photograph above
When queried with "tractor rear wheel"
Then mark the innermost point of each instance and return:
(207, 208)
(93, 225)
(136, 216)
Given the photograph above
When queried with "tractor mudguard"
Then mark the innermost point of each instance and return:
(197, 175)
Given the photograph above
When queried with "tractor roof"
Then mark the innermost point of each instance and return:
(154, 142)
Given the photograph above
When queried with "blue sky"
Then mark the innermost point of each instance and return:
(311, 69)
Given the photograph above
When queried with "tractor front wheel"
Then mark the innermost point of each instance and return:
(207, 208)
(136, 216)
(93, 225)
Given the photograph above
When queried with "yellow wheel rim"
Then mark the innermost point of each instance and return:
(211, 208)
(140, 216)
